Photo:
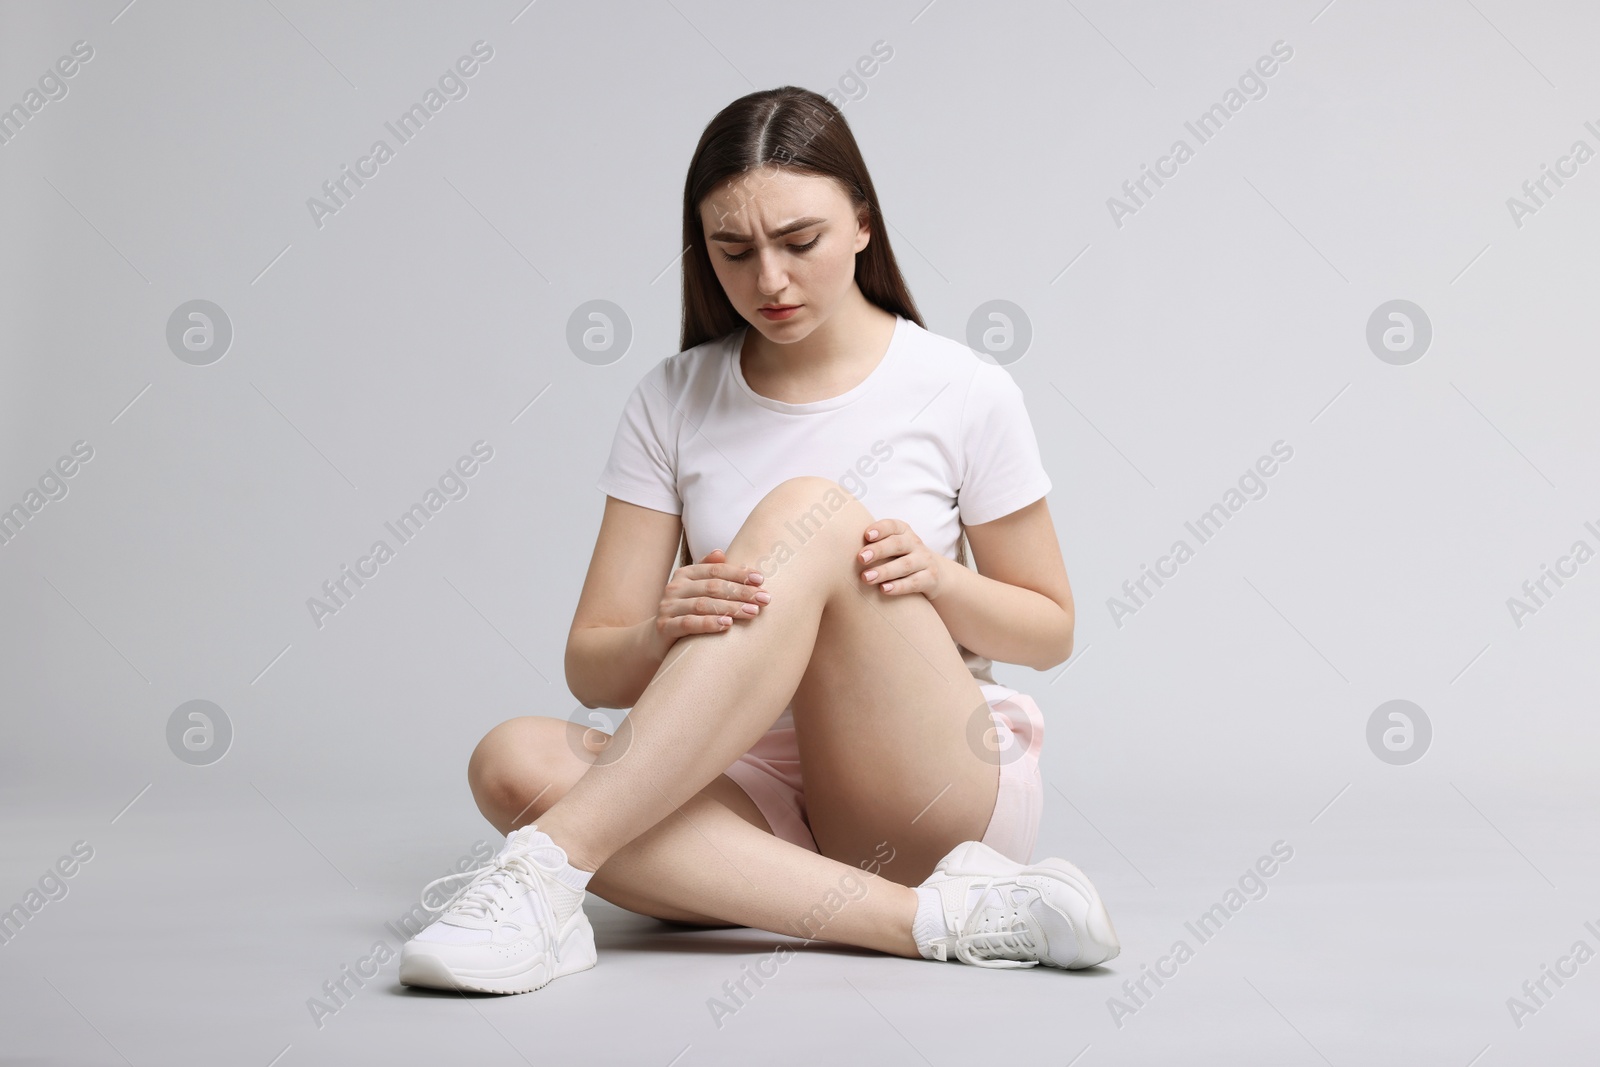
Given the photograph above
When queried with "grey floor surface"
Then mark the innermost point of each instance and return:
(207, 920)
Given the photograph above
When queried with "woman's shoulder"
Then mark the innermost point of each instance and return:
(683, 372)
(934, 354)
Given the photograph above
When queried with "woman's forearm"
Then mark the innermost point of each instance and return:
(1000, 621)
(609, 666)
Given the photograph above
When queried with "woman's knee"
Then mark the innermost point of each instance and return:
(805, 516)
(522, 767)
(808, 502)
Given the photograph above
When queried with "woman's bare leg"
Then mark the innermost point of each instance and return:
(715, 694)
(715, 854)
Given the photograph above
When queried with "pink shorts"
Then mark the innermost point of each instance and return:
(770, 774)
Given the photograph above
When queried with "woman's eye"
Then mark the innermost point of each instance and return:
(808, 246)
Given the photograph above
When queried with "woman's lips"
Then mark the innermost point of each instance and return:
(777, 314)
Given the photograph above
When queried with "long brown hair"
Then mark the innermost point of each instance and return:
(803, 131)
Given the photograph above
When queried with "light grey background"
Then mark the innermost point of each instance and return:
(1168, 354)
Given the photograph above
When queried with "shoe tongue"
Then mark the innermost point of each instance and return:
(996, 908)
(538, 847)
(536, 844)
(523, 836)
(978, 895)
(469, 907)
(995, 901)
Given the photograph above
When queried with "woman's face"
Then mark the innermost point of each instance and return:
(778, 238)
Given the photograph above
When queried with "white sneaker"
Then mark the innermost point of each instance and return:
(511, 929)
(996, 912)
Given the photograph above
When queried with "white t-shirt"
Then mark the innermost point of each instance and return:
(934, 436)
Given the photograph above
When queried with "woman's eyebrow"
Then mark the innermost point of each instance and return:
(729, 237)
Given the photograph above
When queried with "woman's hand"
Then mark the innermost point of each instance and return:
(897, 560)
(705, 597)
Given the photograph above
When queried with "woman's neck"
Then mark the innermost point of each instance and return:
(832, 359)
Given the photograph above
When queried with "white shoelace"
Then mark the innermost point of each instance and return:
(1011, 933)
(492, 887)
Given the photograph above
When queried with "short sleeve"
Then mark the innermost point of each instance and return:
(641, 468)
(1001, 468)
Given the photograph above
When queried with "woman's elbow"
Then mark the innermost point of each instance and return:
(570, 669)
(1062, 646)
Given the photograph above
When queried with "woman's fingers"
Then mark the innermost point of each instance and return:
(711, 607)
(684, 625)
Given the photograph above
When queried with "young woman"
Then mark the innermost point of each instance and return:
(816, 745)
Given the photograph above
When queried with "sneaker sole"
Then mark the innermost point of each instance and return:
(422, 967)
(1098, 941)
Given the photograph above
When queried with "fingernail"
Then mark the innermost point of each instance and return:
(866, 556)
(872, 535)
(751, 609)
(870, 575)
(765, 598)
(755, 576)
